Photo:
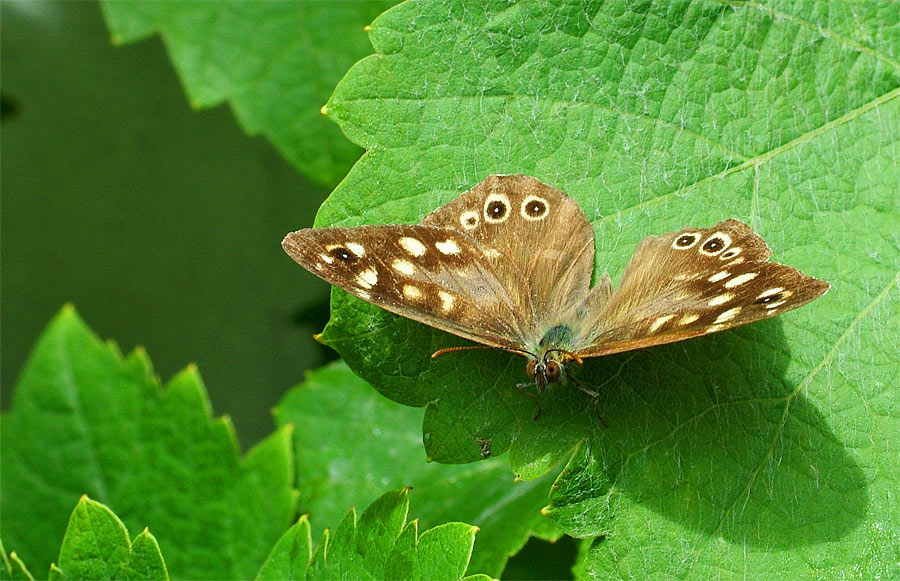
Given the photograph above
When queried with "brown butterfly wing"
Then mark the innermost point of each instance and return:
(436, 276)
(538, 241)
(694, 282)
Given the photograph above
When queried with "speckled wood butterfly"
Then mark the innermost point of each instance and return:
(508, 264)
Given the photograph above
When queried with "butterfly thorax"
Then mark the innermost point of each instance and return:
(550, 355)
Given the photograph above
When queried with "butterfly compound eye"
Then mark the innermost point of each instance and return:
(553, 370)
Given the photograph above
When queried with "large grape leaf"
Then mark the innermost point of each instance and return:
(351, 444)
(274, 62)
(85, 420)
(773, 440)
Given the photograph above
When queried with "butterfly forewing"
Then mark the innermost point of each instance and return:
(433, 275)
(694, 282)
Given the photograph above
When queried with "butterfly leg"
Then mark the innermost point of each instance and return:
(524, 387)
(595, 399)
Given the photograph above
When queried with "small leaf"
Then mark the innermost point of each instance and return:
(291, 555)
(275, 62)
(13, 568)
(90, 422)
(578, 493)
(97, 546)
(381, 545)
(351, 444)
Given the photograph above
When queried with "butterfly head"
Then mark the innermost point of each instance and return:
(549, 367)
(544, 371)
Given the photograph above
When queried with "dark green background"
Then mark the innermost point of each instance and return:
(161, 224)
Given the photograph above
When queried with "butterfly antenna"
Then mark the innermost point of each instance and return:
(440, 352)
(574, 356)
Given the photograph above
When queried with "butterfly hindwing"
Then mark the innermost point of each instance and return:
(538, 240)
(694, 282)
(436, 276)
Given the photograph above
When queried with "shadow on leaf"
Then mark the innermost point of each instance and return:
(710, 434)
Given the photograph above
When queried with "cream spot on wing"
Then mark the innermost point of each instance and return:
(412, 292)
(688, 319)
(770, 292)
(719, 276)
(327, 258)
(714, 328)
(728, 315)
(720, 300)
(319, 266)
(771, 306)
(660, 322)
(367, 278)
(447, 301)
(741, 279)
(356, 249)
(448, 246)
(404, 267)
(413, 246)
(363, 294)
(469, 219)
(737, 260)
(492, 253)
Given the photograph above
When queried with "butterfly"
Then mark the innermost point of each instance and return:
(508, 264)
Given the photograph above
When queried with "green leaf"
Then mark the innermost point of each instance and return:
(97, 546)
(291, 555)
(351, 444)
(274, 62)
(380, 545)
(13, 568)
(767, 447)
(86, 421)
